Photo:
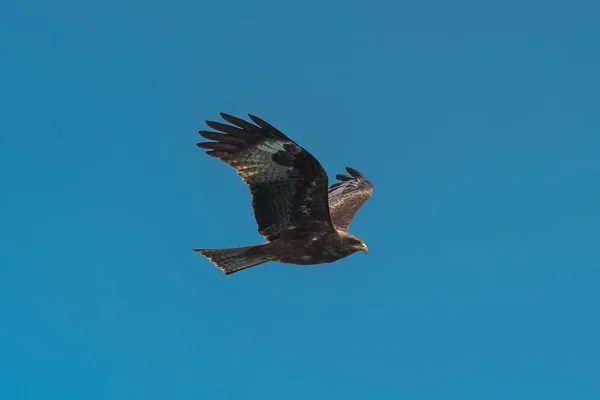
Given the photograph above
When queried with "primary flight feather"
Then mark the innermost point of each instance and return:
(303, 221)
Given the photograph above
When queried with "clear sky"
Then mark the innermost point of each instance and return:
(476, 121)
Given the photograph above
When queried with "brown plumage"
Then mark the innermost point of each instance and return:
(303, 221)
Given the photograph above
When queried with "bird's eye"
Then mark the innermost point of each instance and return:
(354, 241)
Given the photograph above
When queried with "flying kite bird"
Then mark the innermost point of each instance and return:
(303, 221)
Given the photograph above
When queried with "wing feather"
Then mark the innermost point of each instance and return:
(347, 197)
(288, 185)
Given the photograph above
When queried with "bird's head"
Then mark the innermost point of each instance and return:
(355, 243)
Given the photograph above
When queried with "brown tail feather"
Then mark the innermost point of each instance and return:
(236, 259)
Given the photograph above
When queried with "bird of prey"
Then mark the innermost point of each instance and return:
(303, 221)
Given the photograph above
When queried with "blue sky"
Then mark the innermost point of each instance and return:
(476, 121)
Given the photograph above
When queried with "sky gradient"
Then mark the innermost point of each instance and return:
(477, 122)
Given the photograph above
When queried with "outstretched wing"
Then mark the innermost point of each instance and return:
(347, 196)
(288, 185)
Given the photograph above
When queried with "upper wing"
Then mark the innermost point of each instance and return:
(347, 196)
(288, 185)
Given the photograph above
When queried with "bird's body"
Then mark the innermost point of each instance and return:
(303, 221)
(309, 249)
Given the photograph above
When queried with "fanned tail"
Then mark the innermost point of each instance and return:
(236, 259)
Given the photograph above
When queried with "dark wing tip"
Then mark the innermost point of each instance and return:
(258, 121)
(354, 178)
(267, 127)
(343, 177)
(355, 173)
(217, 146)
(242, 128)
(209, 134)
(239, 122)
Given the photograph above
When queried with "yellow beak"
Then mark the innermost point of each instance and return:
(362, 247)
